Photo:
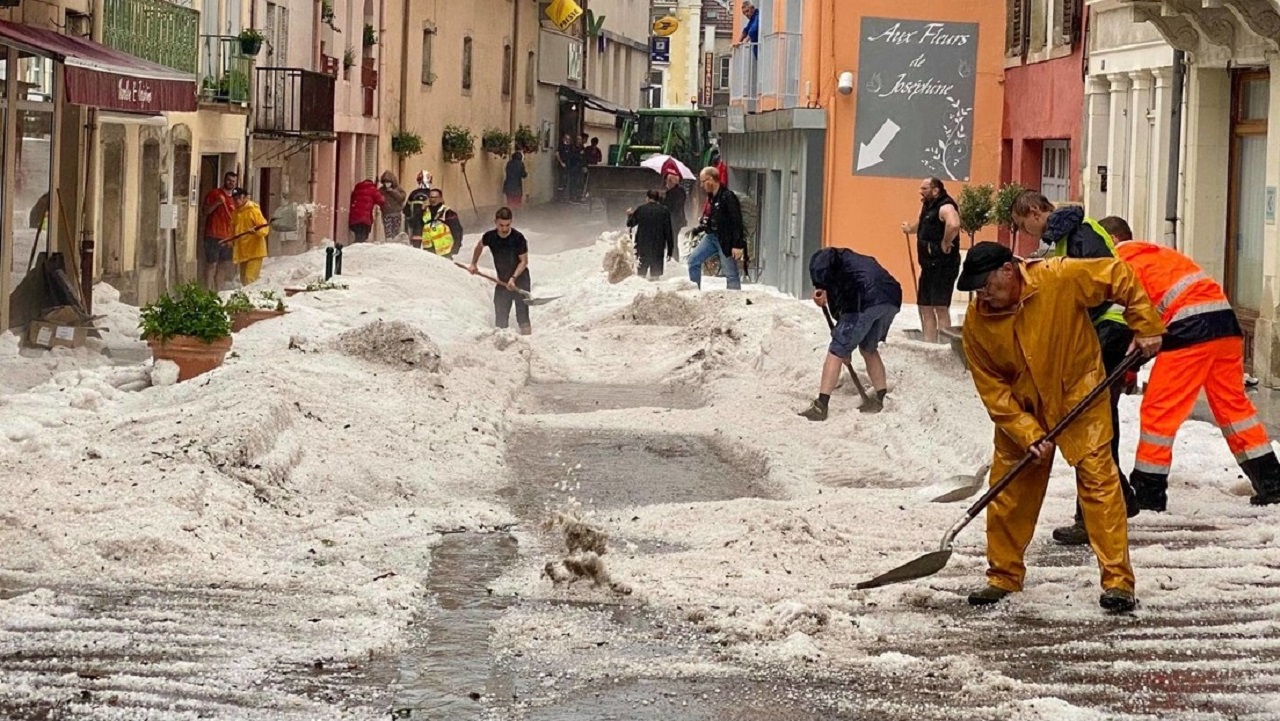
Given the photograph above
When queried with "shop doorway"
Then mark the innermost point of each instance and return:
(1246, 199)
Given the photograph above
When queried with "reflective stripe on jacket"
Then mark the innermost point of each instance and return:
(436, 235)
(1192, 305)
(1061, 249)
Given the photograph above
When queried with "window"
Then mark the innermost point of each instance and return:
(507, 59)
(1055, 170)
(722, 77)
(1069, 19)
(466, 63)
(428, 42)
(1017, 15)
(530, 78)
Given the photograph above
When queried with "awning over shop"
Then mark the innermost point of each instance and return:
(104, 77)
(594, 102)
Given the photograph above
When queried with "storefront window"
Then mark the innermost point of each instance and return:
(32, 210)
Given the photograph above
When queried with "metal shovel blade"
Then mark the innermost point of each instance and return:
(926, 565)
(541, 301)
(965, 486)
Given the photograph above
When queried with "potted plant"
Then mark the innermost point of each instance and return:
(189, 326)
(525, 140)
(405, 143)
(370, 36)
(250, 42)
(1002, 214)
(459, 144)
(496, 142)
(348, 61)
(245, 311)
(327, 15)
(976, 204)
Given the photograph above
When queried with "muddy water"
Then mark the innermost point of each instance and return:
(450, 673)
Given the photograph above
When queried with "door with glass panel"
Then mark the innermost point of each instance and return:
(1247, 187)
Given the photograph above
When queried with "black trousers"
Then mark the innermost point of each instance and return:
(651, 266)
(1115, 339)
(503, 299)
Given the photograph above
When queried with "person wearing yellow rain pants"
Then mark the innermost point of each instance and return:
(249, 230)
(1034, 356)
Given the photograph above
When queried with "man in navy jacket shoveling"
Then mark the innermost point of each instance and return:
(864, 298)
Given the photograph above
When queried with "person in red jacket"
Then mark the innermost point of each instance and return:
(1203, 349)
(364, 198)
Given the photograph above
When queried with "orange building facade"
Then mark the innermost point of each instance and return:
(839, 109)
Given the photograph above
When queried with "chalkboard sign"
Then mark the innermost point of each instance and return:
(915, 98)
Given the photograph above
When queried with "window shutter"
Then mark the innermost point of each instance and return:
(1071, 20)
(1014, 35)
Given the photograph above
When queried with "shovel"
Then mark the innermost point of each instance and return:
(963, 486)
(861, 391)
(931, 563)
(526, 295)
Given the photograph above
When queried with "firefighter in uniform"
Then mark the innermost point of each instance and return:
(1203, 349)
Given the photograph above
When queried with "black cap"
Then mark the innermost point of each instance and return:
(981, 260)
(239, 193)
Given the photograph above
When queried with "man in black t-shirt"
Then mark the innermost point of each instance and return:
(510, 252)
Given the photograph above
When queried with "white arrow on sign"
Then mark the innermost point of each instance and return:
(870, 154)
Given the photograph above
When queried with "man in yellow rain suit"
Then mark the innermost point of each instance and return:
(249, 229)
(1034, 356)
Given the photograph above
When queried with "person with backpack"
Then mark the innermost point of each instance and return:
(442, 229)
(415, 208)
(863, 297)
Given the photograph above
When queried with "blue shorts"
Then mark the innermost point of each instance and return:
(864, 331)
(215, 251)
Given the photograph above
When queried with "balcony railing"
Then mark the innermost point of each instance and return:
(767, 76)
(292, 102)
(780, 68)
(156, 30)
(227, 73)
(744, 85)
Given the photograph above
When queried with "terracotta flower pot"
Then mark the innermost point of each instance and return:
(240, 321)
(192, 355)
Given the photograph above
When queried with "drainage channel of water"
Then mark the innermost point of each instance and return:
(454, 675)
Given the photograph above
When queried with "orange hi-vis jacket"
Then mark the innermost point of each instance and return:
(1192, 305)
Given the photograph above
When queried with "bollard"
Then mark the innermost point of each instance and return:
(328, 263)
(337, 261)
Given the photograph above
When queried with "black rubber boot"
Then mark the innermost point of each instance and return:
(987, 596)
(1118, 600)
(1151, 490)
(1264, 474)
(1073, 535)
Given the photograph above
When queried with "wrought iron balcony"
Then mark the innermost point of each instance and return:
(293, 103)
(227, 73)
(155, 30)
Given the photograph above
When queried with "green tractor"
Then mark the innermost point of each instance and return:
(683, 134)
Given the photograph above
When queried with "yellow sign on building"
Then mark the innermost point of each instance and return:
(564, 13)
(666, 26)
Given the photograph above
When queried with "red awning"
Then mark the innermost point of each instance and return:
(104, 77)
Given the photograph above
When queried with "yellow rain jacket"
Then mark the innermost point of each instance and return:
(1033, 363)
(254, 245)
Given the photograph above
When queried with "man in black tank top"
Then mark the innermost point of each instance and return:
(938, 247)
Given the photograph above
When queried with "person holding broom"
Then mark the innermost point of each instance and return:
(864, 298)
(1034, 356)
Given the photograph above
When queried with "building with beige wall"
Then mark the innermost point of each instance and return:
(1230, 152)
(470, 65)
(139, 156)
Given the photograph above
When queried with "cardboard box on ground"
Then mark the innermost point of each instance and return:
(60, 327)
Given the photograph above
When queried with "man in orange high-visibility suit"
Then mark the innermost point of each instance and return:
(1203, 349)
(1034, 355)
